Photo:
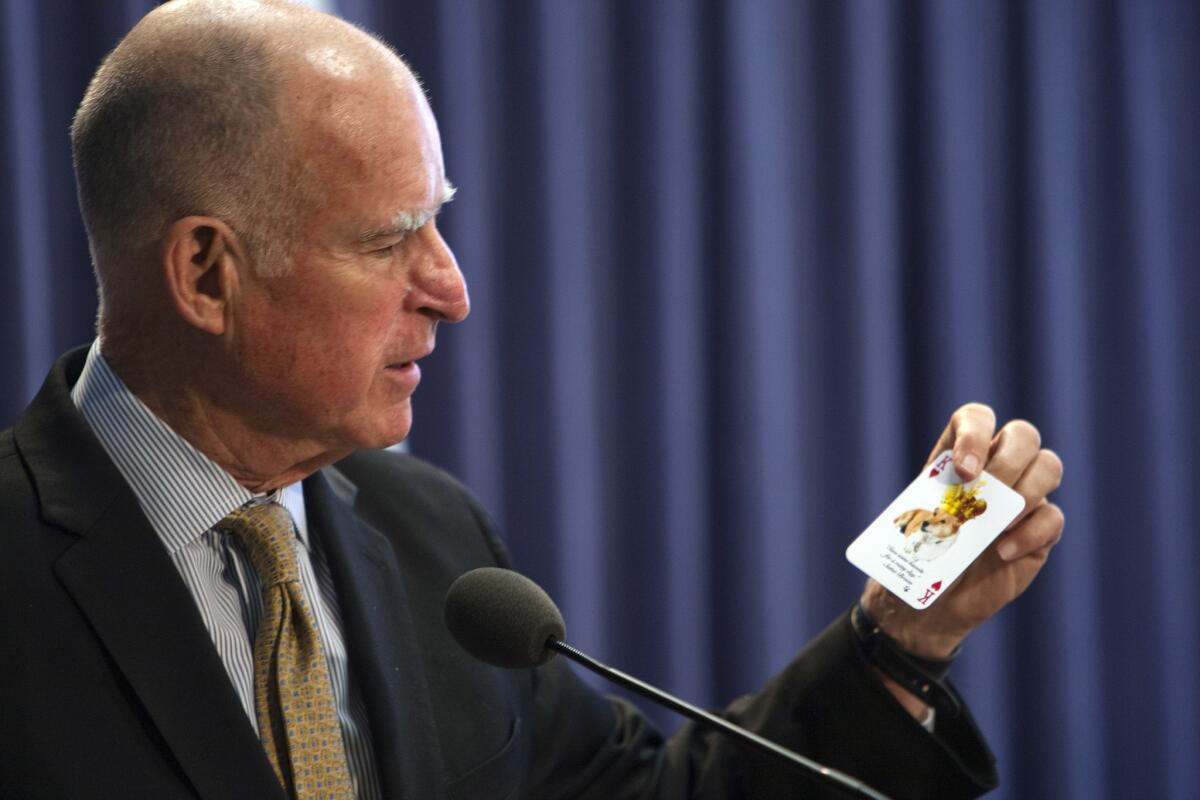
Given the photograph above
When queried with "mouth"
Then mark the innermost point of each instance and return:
(411, 363)
(406, 373)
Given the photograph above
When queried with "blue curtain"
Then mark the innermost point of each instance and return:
(732, 264)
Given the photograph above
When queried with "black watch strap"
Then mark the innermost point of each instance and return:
(924, 678)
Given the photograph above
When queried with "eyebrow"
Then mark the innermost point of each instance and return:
(409, 221)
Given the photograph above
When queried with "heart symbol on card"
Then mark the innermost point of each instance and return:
(937, 586)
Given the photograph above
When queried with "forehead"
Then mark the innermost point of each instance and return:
(359, 123)
(349, 54)
(360, 110)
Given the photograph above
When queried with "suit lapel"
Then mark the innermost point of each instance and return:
(122, 579)
(384, 650)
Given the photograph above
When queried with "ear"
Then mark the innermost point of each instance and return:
(201, 258)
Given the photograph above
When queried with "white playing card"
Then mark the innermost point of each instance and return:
(924, 540)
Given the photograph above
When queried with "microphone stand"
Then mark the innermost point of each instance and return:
(711, 720)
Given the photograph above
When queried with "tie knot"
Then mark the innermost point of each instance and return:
(265, 531)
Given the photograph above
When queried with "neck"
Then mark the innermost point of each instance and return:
(258, 461)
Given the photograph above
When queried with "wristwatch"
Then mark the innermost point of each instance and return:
(924, 678)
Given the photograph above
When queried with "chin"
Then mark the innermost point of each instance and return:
(392, 442)
(373, 426)
(392, 432)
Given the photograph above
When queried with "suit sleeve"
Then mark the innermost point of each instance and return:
(827, 704)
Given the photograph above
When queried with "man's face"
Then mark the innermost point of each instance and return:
(327, 352)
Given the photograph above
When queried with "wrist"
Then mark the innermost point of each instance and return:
(913, 631)
(917, 682)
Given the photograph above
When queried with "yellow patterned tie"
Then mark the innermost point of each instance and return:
(293, 696)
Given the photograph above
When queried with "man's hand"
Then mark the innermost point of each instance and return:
(1009, 565)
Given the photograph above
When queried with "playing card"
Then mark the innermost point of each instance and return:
(933, 531)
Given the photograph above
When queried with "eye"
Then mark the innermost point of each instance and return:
(389, 250)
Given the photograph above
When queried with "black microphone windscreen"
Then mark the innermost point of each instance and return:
(501, 617)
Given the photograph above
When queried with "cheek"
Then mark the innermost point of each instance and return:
(321, 347)
(342, 352)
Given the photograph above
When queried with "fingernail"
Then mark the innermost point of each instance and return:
(971, 463)
(1007, 549)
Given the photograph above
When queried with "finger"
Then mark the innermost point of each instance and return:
(1041, 477)
(1039, 531)
(1013, 450)
(969, 433)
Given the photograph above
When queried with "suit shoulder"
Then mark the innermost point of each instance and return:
(19, 508)
(387, 471)
(14, 480)
(401, 490)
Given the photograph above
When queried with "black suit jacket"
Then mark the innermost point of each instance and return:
(110, 685)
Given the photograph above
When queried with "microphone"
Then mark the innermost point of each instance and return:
(505, 619)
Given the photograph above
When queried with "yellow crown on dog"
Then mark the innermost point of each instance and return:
(964, 503)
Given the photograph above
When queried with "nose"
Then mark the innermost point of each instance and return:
(437, 287)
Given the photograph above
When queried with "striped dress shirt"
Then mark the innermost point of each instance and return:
(184, 494)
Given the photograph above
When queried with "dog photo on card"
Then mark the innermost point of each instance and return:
(932, 532)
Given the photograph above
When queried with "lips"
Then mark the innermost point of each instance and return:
(412, 362)
(405, 375)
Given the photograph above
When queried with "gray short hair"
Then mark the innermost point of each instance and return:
(171, 128)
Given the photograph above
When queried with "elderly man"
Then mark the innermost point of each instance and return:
(214, 586)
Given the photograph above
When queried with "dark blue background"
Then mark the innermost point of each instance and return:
(733, 264)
